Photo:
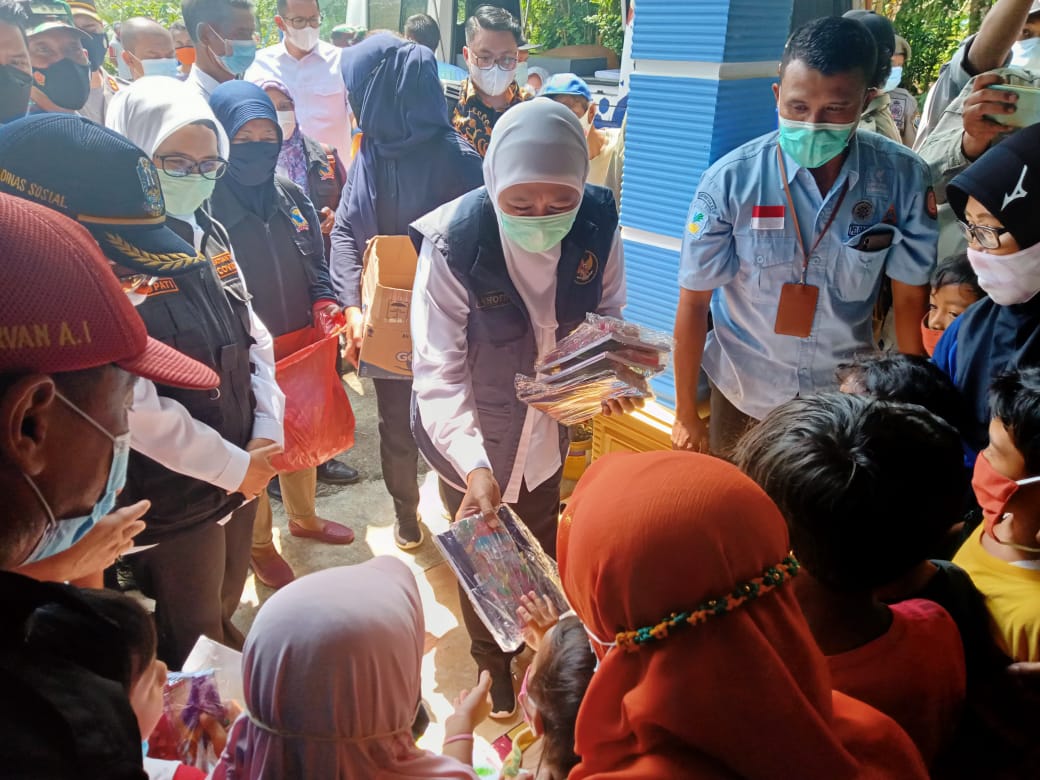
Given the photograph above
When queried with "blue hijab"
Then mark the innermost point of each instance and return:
(399, 104)
(234, 103)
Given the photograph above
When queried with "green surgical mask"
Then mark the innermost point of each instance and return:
(811, 144)
(184, 194)
(537, 234)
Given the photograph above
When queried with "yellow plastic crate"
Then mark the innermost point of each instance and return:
(645, 430)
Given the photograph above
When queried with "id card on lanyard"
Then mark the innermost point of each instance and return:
(797, 308)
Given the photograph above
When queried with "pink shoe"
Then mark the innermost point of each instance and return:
(330, 533)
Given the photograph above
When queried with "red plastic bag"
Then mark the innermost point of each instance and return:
(319, 422)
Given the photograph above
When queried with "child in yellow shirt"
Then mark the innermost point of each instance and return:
(1003, 557)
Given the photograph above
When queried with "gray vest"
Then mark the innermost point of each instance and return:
(501, 339)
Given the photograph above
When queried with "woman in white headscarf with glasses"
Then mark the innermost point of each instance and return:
(505, 271)
(199, 457)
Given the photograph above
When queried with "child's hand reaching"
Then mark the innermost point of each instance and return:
(471, 708)
(538, 615)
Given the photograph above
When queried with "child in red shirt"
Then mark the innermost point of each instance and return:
(868, 488)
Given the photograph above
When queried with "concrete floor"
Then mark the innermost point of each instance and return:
(367, 508)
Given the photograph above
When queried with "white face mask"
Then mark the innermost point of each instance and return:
(586, 124)
(305, 39)
(494, 81)
(1008, 279)
(287, 121)
(1026, 54)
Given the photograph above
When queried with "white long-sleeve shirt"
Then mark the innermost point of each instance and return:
(163, 430)
(316, 84)
(441, 378)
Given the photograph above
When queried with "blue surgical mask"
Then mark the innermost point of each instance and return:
(812, 144)
(60, 535)
(122, 69)
(1026, 54)
(893, 78)
(166, 66)
(242, 55)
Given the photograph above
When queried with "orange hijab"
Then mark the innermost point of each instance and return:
(744, 694)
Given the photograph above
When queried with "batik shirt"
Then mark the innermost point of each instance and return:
(474, 120)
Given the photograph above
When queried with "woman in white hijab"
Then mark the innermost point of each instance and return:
(503, 273)
(208, 453)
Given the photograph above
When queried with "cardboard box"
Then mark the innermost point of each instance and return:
(386, 296)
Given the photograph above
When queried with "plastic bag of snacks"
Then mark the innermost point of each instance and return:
(496, 566)
(193, 728)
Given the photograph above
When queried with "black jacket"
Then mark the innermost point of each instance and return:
(205, 315)
(282, 258)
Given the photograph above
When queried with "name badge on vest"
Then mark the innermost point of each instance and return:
(493, 300)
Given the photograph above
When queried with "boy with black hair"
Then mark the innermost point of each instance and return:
(916, 380)
(955, 287)
(864, 486)
(1004, 557)
(908, 379)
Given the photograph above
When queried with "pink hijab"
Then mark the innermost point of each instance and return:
(331, 674)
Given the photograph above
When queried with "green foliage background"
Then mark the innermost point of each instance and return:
(934, 29)
(549, 22)
(553, 23)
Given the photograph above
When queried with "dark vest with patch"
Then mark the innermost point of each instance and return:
(501, 339)
(204, 315)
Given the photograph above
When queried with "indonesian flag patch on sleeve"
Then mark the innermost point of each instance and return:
(767, 218)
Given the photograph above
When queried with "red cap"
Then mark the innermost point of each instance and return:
(62, 309)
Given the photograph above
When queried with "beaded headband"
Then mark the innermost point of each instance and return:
(771, 579)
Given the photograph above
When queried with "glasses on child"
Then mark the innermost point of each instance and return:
(179, 166)
(984, 235)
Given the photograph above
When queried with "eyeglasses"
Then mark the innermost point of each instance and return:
(300, 22)
(487, 63)
(179, 166)
(987, 237)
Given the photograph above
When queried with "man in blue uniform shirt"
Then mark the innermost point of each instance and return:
(788, 239)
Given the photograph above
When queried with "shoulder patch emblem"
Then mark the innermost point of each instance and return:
(587, 268)
(225, 265)
(149, 179)
(298, 219)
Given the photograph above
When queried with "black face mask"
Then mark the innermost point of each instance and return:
(66, 83)
(97, 47)
(15, 86)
